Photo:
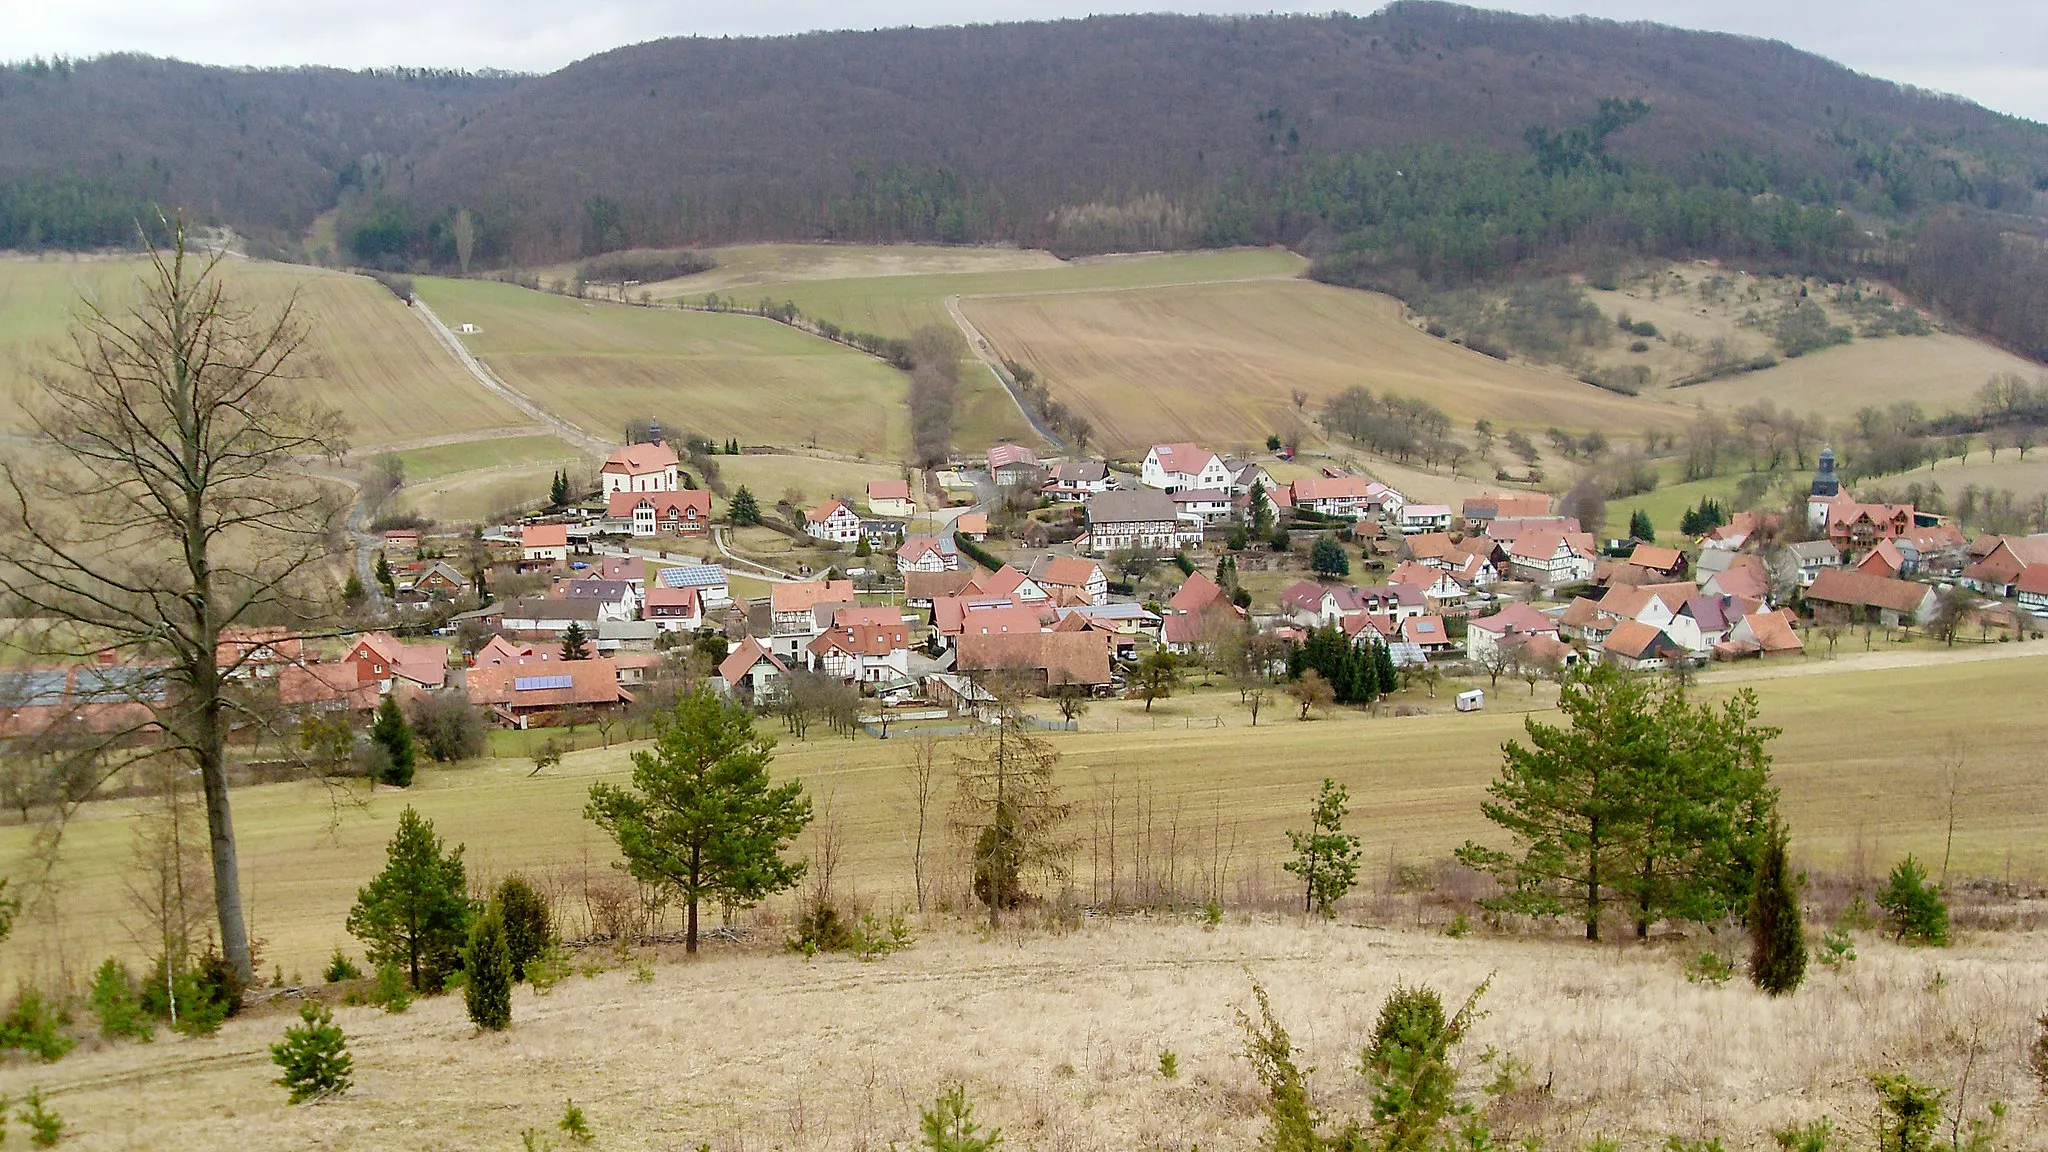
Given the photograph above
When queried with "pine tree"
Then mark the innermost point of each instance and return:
(392, 733)
(352, 590)
(1262, 510)
(744, 510)
(1328, 560)
(575, 642)
(701, 816)
(313, 1055)
(1325, 857)
(1639, 526)
(384, 577)
(1914, 909)
(529, 922)
(1389, 676)
(558, 491)
(487, 974)
(1777, 957)
(416, 912)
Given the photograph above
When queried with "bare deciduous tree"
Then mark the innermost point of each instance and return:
(167, 503)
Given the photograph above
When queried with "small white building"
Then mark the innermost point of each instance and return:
(1471, 701)
(1414, 518)
(834, 520)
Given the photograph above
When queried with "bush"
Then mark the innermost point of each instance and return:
(313, 1055)
(448, 728)
(1908, 1112)
(341, 968)
(1913, 908)
(529, 922)
(390, 991)
(117, 1002)
(1777, 958)
(574, 1124)
(185, 998)
(391, 733)
(36, 1026)
(487, 974)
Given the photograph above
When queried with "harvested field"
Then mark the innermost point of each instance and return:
(1218, 362)
(816, 478)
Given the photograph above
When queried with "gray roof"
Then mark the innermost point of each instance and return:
(606, 590)
(550, 608)
(1816, 550)
(1125, 507)
(1111, 612)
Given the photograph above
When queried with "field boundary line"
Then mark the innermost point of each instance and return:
(986, 353)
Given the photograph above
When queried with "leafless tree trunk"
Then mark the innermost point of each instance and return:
(923, 771)
(166, 503)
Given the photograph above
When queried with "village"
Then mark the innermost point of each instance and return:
(930, 597)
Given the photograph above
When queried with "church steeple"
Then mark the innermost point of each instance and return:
(1826, 485)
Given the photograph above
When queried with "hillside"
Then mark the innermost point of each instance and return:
(365, 353)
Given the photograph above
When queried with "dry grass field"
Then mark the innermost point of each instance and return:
(1057, 1037)
(768, 477)
(742, 266)
(1859, 793)
(369, 357)
(471, 497)
(600, 365)
(438, 460)
(1219, 362)
(2028, 478)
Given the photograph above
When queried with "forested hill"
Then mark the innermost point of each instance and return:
(984, 132)
(1425, 143)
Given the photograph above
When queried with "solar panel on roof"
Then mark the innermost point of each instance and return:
(541, 683)
(692, 576)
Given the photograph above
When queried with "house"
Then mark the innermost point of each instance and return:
(1009, 584)
(882, 533)
(708, 579)
(1439, 587)
(1997, 570)
(1415, 518)
(544, 543)
(794, 612)
(674, 609)
(402, 543)
(1749, 581)
(641, 468)
(548, 615)
(1741, 526)
(1246, 474)
(1653, 604)
(927, 554)
(1206, 505)
(973, 525)
(1813, 556)
(684, 513)
(833, 520)
(1014, 466)
(1076, 480)
(863, 645)
(529, 695)
(1507, 530)
(1762, 634)
(1185, 633)
(1663, 563)
(1081, 576)
(1853, 527)
(1314, 605)
(1877, 599)
(1641, 647)
(1939, 550)
(1144, 518)
(1053, 660)
(635, 668)
(920, 589)
(1551, 558)
(1428, 634)
(1342, 496)
(1172, 467)
(1435, 549)
(1485, 634)
(440, 581)
(751, 672)
(1704, 621)
(891, 498)
(257, 653)
(314, 687)
(618, 638)
(1583, 620)
(1196, 594)
(379, 658)
(2031, 589)
(498, 650)
(1884, 560)
(616, 599)
(956, 616)
(1480, 510)
(1473, 570)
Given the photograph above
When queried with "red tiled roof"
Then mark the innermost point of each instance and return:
(641, 459)
(1196, 593)
(1065, 657)
(1862, 589)
(803, 595)
(544, 536)
(888, 489)
(590, 682)
(745, 656)
(666, 505)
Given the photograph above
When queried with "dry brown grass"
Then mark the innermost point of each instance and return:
(1057, 1038)
(1219, 362)
(365, 354)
